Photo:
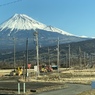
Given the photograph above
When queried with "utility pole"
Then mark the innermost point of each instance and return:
(48, 57)
(66, 61)
(84, 60)
(37, 51)
(91, 60)
(80, 56)
(24, 66)
(58, 54)
(69, 57)
(14, 51)
(26, 57)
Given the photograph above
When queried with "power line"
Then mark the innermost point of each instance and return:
(9, 3)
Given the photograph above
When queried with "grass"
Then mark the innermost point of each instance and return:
(72, 76)
(90, 92)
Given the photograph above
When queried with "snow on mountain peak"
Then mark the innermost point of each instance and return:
(24, 22)
(21, 22)
(54, 29)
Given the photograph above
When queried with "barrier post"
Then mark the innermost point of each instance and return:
(24, 87)
(18, 88)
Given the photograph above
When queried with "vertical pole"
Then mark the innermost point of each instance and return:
(26, 57)
(69, 56)
(58, 55)
(87, 59)
(91, 58)
(37, 51)
(24, 87)
(66, 61)
(14, 52)
(48, 57)
(18, 88)
(24, 67)
(80, 56)
(84, 60)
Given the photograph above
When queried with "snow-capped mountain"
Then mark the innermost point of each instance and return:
(23, 22)
(22, 26)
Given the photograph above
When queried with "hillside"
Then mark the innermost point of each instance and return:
(78, 53)
(21, 27)
(86, 46)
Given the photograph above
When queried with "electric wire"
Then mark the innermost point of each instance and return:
(9, 3)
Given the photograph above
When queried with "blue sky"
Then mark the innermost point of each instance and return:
(73, 16)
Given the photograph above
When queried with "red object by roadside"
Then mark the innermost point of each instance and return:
(29, 66)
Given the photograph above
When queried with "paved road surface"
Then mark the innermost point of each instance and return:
(29, 85)
(73, 89)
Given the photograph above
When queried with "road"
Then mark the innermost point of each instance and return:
(29, 85)
(73, 89)
(13, 86)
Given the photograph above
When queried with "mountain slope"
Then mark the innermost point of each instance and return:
(23, 22)
(21, 27)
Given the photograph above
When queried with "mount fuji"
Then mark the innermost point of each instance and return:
(21, 26)
(23, 22)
